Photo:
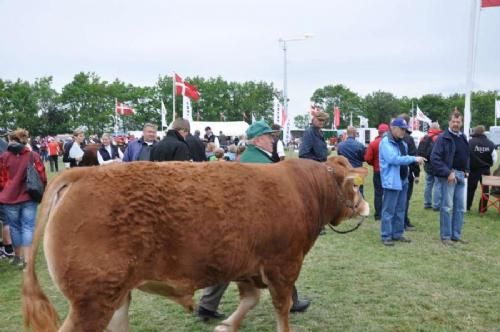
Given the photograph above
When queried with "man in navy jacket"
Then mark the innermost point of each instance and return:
(450, 162)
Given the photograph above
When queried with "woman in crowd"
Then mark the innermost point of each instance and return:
(20, 208)
(108, 153)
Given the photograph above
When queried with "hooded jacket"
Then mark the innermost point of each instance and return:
(13, 165)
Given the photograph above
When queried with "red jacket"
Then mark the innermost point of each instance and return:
(371, 154)
(434, 133)
(13, 175)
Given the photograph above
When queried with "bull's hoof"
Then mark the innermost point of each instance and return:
(223, 328)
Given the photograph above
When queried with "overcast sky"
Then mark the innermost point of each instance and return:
(408, 47)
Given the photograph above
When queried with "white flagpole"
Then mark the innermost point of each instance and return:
(471, 64)
(471, 61)
(173, 97)
(116, 117)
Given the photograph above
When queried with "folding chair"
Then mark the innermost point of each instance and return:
(490, 198)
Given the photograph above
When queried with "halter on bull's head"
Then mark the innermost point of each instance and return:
(347, 181)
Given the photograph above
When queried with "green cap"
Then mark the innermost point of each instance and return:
(259, 128)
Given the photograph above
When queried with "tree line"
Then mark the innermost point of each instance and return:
(90, 101)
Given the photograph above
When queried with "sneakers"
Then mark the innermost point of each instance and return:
(388, 243)
(5, 255)
(447, 243)
(403, 239)
(459, 241)
(205, 314)
(18, 262)
(300, 305)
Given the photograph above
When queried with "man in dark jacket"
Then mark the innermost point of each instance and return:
(414, 174)
(173, 146)
(196, 148)
(353, 150)
(482, 157)
(450, 162)
(432, 192)
(313, 143)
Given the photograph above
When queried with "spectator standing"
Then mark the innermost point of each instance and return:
(140, 149)
(6, 249)
(372, 158)
(259, 150)
(210, 137)
(196, 147)
(394, 161)
(108, 153)
(414, 174)
(53, 151)
(353, 150)
(450, 161)
(222, 139)
(73, 150)
(432, 193)
(482, 157)
(19, 207)
(278, 146)
(173, 146)
(313, 142)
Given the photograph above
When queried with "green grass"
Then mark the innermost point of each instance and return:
(354, 282)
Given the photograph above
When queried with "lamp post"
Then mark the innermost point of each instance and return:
(284, 43)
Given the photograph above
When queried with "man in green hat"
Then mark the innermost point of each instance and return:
(259, 150)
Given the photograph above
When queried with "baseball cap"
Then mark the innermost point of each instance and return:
(259, 128)
(399, 122)
(382, 128)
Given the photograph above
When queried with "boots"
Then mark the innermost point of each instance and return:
(298, 305)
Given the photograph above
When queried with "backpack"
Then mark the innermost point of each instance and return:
(425, 147)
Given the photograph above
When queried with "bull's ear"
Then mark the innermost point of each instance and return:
(358, 180)
(363, 171)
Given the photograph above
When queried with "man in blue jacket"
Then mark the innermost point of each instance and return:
(450, 162)
(394, 161)
(140, 149)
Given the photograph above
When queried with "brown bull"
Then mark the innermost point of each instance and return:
(144, 225)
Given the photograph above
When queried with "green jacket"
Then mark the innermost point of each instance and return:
(253, 154)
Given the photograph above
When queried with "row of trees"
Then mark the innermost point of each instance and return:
(381, 106)
(90, 101)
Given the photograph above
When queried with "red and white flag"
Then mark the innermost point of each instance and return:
(123, 109)
(336, 116)
(183, 88)
(490, 3)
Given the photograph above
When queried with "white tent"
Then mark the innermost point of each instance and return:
(229, 128)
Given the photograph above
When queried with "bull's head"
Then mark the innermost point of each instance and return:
(347, 181)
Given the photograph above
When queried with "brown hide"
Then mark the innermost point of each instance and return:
(112, 229)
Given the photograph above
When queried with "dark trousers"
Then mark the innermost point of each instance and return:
(475, 176)
(211, 296)
(410, 192)
(54, 162)
(378, 194)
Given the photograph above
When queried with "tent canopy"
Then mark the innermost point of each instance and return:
(229, 128)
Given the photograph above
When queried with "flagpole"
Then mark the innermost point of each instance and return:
(471, 61)
(116, 117)
(173, 97)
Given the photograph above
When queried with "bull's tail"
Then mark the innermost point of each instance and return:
(39, 313)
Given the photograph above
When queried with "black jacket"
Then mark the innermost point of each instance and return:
(480, 148)
(196, 148)
(171, 147)
(412, 151)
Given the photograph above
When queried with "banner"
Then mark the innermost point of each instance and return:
(163, 116)
(497, 108)
(336, 117)
(276, 112)
(420, 116)
(186, 109)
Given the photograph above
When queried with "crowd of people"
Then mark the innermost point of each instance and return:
(449, 160)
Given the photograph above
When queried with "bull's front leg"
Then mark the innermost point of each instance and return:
(249, 297)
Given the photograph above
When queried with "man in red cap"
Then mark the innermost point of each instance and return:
(371, 157)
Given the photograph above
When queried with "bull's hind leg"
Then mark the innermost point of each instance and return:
(249, 297)
(93, 313)
(282, 302)
(119, 321)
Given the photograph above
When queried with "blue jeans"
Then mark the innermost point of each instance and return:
(392, 225)
(21, 219)
(378, 194)
(451, 217)
(432, 190)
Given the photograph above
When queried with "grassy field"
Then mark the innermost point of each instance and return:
(354, 282)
